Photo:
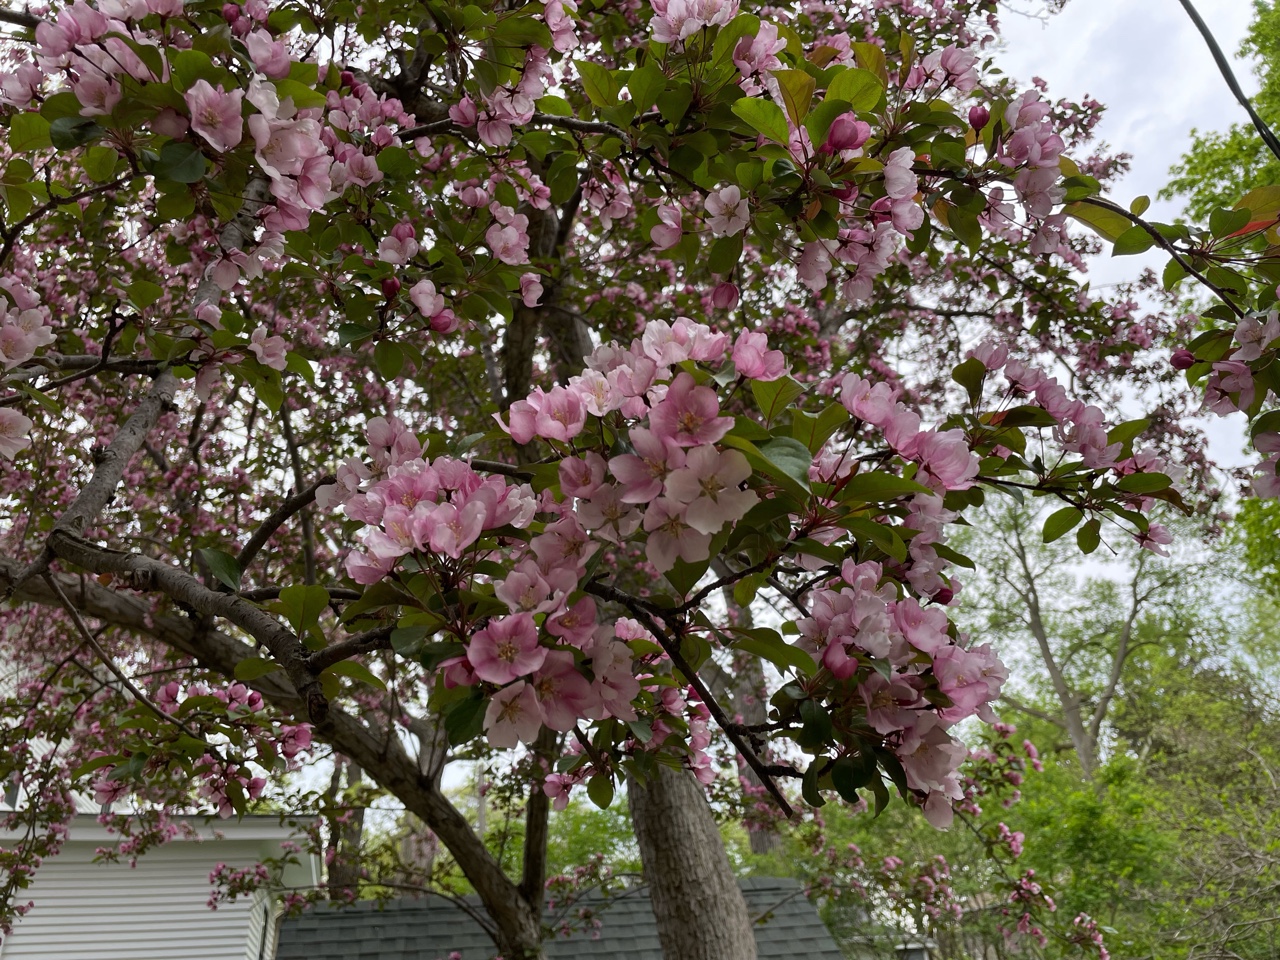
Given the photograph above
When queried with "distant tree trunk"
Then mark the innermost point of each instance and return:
(344, 838)
(697, 903)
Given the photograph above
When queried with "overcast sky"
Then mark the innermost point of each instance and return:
(1145, 60)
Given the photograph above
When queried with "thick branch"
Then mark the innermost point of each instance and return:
(19, 18)
(382, 756)
(145, 574)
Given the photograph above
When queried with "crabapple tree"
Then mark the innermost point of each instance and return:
(374, 371)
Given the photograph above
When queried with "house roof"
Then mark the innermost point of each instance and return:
(431, 928)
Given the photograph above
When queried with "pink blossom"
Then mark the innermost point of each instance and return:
(668, 232)
(512, 716)
(708, 484)
(215, 114)
(753, 358)
(269, 55)
(15, 432)
(506, 649)
(689, 414)
(671, 536)
(727, 209)
(530, 289)
(270, 351)
(564, 694)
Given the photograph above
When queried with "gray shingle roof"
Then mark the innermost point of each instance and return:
(429, 929)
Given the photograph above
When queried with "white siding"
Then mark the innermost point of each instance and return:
(156, 911)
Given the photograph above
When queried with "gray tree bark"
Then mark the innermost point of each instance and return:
(698, 906)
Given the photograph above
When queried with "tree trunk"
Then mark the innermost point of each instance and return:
(697, 903)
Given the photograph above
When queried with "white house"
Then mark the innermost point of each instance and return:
(157, 910)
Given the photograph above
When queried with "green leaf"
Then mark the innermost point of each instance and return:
(646, 83)
(251, 668)
(768, 644)
(725, 254)
(302, 605)
(465, 721)
(641, 730)
(1134, 240)
(67, 133)
(599, 82)
(685, 576)
(100, 163)
(143, 293)
(180, 162)
(1174, 273)
(809, 785)
(223, 566)
(304, 97)
(1223, 223)
(1140, 205)
(29, 131)
(356, 671)
(389, 359)
(971, 375)
(1089, 536)
(791, 457)
(1061, 522)
(797, 93)
(764, 116)
(1124, 432)
(861, 88)
(745, 590)
(1106, 223)
(1144, 483)
(876, 487)
(1263, 203)
(774, 396)
(848, 775)
(817, 727)
(600, 789)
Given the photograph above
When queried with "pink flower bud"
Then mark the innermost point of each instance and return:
(847, 133)
(724, 296)
(231, 12)
(944, 596)
(1182, 359)
(390, 287)
(347, 78)
(979, 116)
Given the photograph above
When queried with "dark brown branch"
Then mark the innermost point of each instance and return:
(377, 639)
(145, 574)
(537, 821)
(1224, 66)
(278, 517)
(642, 612)
(19, 18)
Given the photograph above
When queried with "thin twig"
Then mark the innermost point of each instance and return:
(278, 517)
(110, 664)
(691, 675)
(1224, 65)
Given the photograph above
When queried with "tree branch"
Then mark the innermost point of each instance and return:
(278, 517)
(1224, 66)
(673, 651)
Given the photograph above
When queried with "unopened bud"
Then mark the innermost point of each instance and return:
(847, 132)
(347, 78)
(979, 116)
(724, 296)
(231, 12)
(1183, 359)
(390, 287)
